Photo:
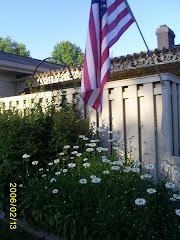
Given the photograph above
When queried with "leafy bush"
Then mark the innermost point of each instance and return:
(68, 184)
(82, 194)
(41, 131)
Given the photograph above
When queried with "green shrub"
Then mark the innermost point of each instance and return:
(121, 202)
(41, 131)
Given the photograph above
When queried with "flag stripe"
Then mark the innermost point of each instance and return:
(109, 19)
(121, 31)
(93, 39)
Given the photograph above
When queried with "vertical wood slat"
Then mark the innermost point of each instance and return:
(142, 146)
(175, 120)
(93, 117)
(104, 118)
(159, 135)
(132, 118)
(167, 121)
(118, 114)
(179, 115)
(149, 128)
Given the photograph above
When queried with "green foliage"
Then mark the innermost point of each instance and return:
(41, 132)
(69, 53)
(105, 209)
(9, 46)
(52, 189)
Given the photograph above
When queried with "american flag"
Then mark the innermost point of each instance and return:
(109, 19)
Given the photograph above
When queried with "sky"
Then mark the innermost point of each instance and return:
(41, 24)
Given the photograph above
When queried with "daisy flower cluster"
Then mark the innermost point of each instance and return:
(94, 167)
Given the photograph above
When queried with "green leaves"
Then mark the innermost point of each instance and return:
(9, 46)
(69, 53)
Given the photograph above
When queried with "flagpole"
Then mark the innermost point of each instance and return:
(157, 70)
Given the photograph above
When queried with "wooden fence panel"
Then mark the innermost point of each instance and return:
(149, 127)
(175, 120)
(118, 115)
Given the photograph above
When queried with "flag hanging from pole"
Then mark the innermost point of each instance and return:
(109, 19)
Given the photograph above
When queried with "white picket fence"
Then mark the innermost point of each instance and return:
(140, 107)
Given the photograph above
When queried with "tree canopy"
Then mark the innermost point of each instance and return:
(9, 46)
(69, 53)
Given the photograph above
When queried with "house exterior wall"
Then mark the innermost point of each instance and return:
(141, 107)
(7, 84)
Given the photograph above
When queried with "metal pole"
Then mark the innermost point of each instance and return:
(157, 70)
(65, 65)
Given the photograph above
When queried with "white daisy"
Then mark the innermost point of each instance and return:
(20, 185)
(110, 131)
(81, 136)
(61, 154)
(74, 152)
(85, 159)
(50, 164)
(78, 154)
(92, 144)
(116, 162)
(25, 155)
(76, 147)
(126, 170)
(140, 201)
(34, 162)
(137, 162)
(176, 196)
(135, 169)
(41, 169)
(71, 158)
(53, 180)
(105, 149)
(71, 165)
(83, 181)
(105, 160)
(99, 149)
(149, 166)
(89, 149)
(177, 211)
(106, 172)
(151, 190)
(96, 180)
(115, 168)
(142, 177)
(100, 130)
(93, 176)
(172, 199)
(57, 173)
(65, 170)
(56, 161)
(44, 175)
(85, 138)
(66, 147)
(47, 170)
(176, 174)
(55, 191)
(86, 164)
(129, 139)
(169, 185)
(147, 175)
